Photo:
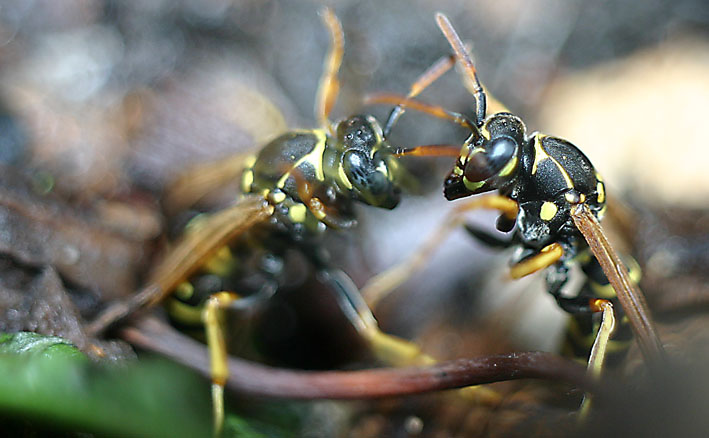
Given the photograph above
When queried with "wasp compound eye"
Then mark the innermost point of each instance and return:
(491, 159)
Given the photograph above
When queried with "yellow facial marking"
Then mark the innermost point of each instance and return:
(509, 167)
(297, 213)
(343, 177)
(472, 185)
(548, 211)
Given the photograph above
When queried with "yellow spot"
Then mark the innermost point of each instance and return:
(297, 213)
(184, 290)
(548, 211)
(600, 188)
(247, 179)
(509, 167)
(276, 197)
(221, 263)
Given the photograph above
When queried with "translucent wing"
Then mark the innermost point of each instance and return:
(188, 256)
(630, 296)
(197, 182)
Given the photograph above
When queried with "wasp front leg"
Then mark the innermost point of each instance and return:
(384, 283)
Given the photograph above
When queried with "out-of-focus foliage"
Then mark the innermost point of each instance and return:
(47, 379)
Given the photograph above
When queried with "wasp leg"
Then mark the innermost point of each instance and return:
(385, 282)
(213, 320)
(216, 341)
(487, 238)
(548, 255)
(317, 207)
(329, 84)
(598, 351)
(431, 74)
(388, 348)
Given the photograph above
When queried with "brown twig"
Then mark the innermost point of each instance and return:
(253, 379)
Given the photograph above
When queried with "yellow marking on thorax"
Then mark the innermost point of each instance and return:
(297, 213)
(247, 177)
(276, 197)
(313, 157)
(548, 211)
(540, 154)
(600, 188)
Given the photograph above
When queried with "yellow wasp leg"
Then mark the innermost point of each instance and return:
(212, 317)
(385, 282)
(598, 351)
(549, 255)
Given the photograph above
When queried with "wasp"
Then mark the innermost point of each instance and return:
(551, 200)
(297, 187)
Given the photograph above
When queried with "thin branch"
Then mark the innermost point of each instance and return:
(258, 380)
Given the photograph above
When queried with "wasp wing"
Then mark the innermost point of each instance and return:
(629, 295)
(195, 183)
(188, 255)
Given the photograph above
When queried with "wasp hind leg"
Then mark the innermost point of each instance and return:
(387, 348)
(213, 319)
(598, 351)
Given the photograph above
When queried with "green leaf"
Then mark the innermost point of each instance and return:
(33, 343)
(47, 380)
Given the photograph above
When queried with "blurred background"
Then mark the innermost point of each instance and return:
(105, 102)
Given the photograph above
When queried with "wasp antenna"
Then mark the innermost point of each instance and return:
(329, 84)
(461, 52)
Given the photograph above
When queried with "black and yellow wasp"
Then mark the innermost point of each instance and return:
(551, 199)
(298, 186)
